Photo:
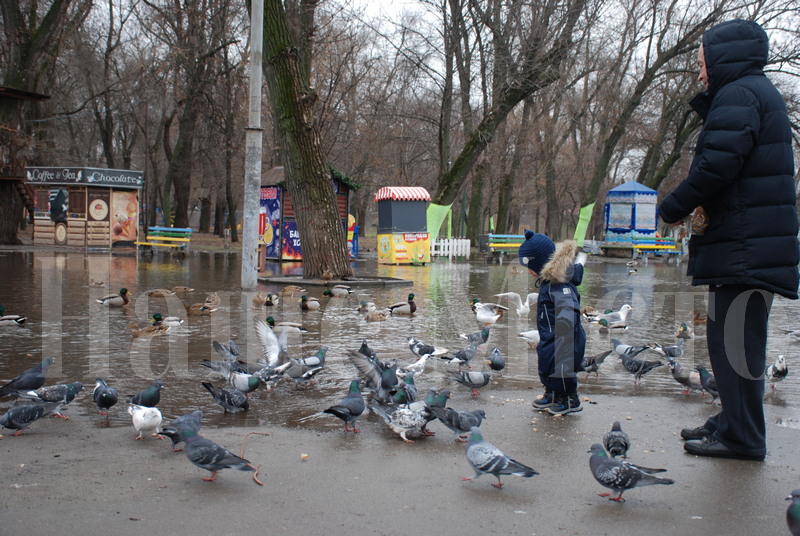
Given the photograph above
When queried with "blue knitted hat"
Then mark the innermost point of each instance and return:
(535, 251)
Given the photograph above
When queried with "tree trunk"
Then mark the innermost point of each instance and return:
(308, 178)
(219, 215)
(205, 215)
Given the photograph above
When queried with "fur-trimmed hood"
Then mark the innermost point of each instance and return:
(560, 267)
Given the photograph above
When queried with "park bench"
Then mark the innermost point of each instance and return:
(499, 245)
(174, 238)
(657, 246)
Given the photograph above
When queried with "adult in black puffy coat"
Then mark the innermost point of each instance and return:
(742, 176)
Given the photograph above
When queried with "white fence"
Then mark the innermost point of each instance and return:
(451, 247)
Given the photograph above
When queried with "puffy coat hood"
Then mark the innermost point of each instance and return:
(732, 50)
(560, 267)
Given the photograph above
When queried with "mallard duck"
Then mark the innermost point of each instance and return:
(115, 300)
(272, 300)
(171, 321)
(684, 332)
(404, 308)
(213, 300)
(339, 291)
(373, 315)
(615, 316)
(259, 300)
(288, 327)
(327, 275)
(364, 306)
(309, 304)
(10, 320)
(699, 319)
(291, 290)
(199, 309)
(148, 331)
(182, 289)
(163, 292)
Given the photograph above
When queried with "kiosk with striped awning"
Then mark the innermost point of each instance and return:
(403, 225)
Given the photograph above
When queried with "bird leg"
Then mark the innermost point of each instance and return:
(17, 433)
(404, 438)
(212, 478)
(138, 437)
(60, 416)
(475, 392)
(618, 498)
(356, 430)
(498, 485)
(158, 436)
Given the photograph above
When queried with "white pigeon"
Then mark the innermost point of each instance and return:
(532, 337)
(777, 371)
(270, 346)
(616, 316)
(523, 308)
(145, 419)
(414, 368)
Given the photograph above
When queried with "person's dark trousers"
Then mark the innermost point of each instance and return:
(737, 345)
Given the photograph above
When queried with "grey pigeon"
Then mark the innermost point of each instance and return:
(403, 420)
(626, 349)
(350, 408)
(793, 513)
(380, 378)
(685, 376)
(244, 382)
(464, 356)
(708, 382)
(616, 441)
(63, 393)
(20, 417)
(206, 454)
(478, 337)
(777, 371)
(28, 379)
(634, 365)
(460, 422)
(473, 379)
(406, 392)
(591, 363)
(674, 351)
(434, 398)
(193, 421)
(149, 397)
(486, 458)
(419, 348)
(231, 400)
(496, 361)
(104, 396)
(619, 475)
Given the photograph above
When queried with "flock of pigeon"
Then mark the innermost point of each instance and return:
(391, 388)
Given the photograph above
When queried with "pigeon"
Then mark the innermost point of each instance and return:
(241, 381)
(20, 417)
(145, 418)
(225, 368)
(463, 356)
(478, 337)
(271, 347)
(301, 374)
(206, 454)
(417, 367)
(408, 307)
(793, 513)
(615, 316)
(403, 420)
(115, 300)
(473, 379)
(637, 367)
(28, 379)
(63, 393)
(532, 337)
(434, 398)
(231, 400)
(684, 332)
(193, 421)
(366, 351)
(230, 351)
(708, 382)
(148, 397)
(10, 320)
(104, 396)
(777, 371)
(350, 408)
(619, 475)
(616, 441)
(496, 361)
(487, 313)
(419, 348)
(685, 376)
(591, 363)
(460, 422)
(674, 351)
(523, 308)
(407, 391)
(486, 458)
(626, 349)
(381, 378)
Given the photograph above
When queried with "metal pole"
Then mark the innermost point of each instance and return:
(252, 159)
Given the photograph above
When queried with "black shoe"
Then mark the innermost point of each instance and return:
(565, 404)
(713, 448)
(700, 432)
(544, 401)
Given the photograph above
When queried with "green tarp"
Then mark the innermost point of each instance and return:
(436, 215)
(583, 224)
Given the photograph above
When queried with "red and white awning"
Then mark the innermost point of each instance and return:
(403, 193)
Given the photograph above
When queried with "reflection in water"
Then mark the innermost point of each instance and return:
(90, 340)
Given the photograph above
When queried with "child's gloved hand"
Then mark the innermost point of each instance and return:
(580, 258)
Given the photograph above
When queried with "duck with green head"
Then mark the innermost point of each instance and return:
(404, 308)
(115, 300)
(10, 320)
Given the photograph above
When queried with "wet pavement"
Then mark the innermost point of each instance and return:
(94, 478)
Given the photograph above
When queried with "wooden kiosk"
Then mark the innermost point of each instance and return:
(85, 207)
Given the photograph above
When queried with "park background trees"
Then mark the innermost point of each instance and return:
(513, 111)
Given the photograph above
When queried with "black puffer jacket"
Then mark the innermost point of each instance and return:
(742, 172)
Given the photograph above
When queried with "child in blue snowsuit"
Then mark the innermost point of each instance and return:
(558, 319)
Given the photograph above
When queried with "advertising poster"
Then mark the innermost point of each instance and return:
(124, 218)
(269, 221)
(404, 248)
(291, 242)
